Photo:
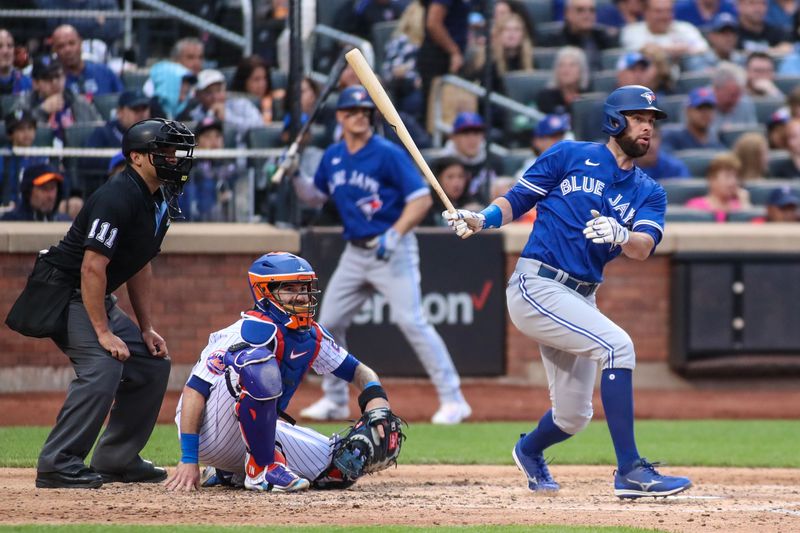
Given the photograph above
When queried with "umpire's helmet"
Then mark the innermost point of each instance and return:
(271, 272)
(354, 96)
(628, 98)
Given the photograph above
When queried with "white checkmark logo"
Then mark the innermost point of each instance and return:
(589, 162)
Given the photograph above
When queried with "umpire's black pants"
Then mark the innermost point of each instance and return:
(135, 387)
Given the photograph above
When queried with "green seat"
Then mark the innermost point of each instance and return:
(760, 190)
(604, 81)
(775, 159)
(747, 215)
(44, 136)
(524, 86)
(265, 137)
(686, 214)
(680, 190)
(587, 117)
(765, 106)
(674, 106)
(381, 35)
(106, 104)
(538, 10)
(134, 80)
(76, 135)
(697, 161)
(729, 136)
(692, 80)
(544, 57)
(787, 83)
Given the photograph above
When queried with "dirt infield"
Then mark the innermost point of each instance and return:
(729, 500)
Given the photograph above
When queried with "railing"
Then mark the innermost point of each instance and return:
(346, 38)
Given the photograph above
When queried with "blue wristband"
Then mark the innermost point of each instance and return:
(372, 384)
(494, 217)
(190, 448)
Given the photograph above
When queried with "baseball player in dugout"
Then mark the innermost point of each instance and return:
(593, 204)
(69, 298)
(244, 380)
(381, 198)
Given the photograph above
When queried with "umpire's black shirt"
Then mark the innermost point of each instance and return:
(123, 221)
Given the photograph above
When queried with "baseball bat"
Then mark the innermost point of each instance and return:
(384, 104)
(333, 78)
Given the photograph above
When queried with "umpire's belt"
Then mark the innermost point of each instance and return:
(367, 243)
(543, 270)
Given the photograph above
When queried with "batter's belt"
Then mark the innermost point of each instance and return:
(537, 268)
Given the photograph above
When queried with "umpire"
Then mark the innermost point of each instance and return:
(112, 241)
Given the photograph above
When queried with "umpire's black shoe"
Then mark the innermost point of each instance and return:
(144, 472)
(85, 478)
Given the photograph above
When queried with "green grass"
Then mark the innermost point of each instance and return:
(744, 443)
(92, 528)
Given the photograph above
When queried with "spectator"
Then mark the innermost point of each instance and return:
(107, 29)
(132, 106)
(790, 168)
(550, 130)
(782, 205)
(503, 8)
(570, 79)
(41, 190)
(620, 13)
(83, 77)
(760, 69)
(793, 102)
(12, 80)
(696, 132)
(725, 194)
(21, 132)
(781, 13)
(723, 36)
(512, 50)
(700, 13)
(734, 107)
(309, 92)
(753, 152)
(364, 14)
(399, 69)
(790, 64)
(442, 50)
(581, 30)
(664, 72)
(659, 164)
(755, 34)
(171, 81)
(454, 179)
(468, 144)
(208, 196)
(776, 129)
(677, 38)
(211, 100)
(116, 164)
(252, 78)
(51, 104)
(633, 68)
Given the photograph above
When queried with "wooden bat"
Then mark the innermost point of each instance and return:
(333, 79)
(384, 104)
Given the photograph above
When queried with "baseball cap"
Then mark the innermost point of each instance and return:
(208, 123)
(45, 68)
(18, 117)
(467, 121)
(631, 59)
(782, 197)
(118, 159)
(209, 77)
(41, 174)
(778, 117)
(702, 96)
(133, 99)
(552, 125)
(723, 21)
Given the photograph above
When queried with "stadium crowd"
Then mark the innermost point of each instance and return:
(726, 71)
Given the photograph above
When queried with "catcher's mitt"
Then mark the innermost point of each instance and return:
(362, 450)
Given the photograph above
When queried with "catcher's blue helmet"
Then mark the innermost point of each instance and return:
(354, 96)
(270, 272)
(628, 98)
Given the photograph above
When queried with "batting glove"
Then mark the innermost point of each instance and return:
(465, 223)
(386, 244)
(603, 229)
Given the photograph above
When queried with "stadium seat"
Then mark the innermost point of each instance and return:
(76, 135)
(266, 137)
(729, 136)
(765, 106)
(228, 72)
(7, 102)
(44, 136)
(787, 83)
(680, 190)
(610, 56)
(697, 161)
(761, 189)
(587, 117)
(685, 214)
(692, 80)
(134, 80)
(106, 104)
(544, 57)
(747, 215)
(278, 79)
(775, 159)
(674, 106)
(538, 11)
(513, 161)
(3, 136)
(325, 49)
(524, 86)
(546, 30)
(381, 35)
(604, 81)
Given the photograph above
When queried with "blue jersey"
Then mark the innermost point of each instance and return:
(370, 187)
(94, 79)
(565, 183)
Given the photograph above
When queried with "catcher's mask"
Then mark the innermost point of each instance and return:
(288, 283)
(169, 145)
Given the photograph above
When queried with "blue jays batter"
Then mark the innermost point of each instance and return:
(593, 204)
(381, 197)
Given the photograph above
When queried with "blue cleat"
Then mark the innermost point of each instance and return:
(535, 469)
(276, 478)
(643, 480)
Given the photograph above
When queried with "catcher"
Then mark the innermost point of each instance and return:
(246, 377)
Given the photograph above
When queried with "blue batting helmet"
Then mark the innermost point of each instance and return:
(354, 96)
(271, 272)
(628, 98)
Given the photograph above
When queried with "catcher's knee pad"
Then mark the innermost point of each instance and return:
(259, 373)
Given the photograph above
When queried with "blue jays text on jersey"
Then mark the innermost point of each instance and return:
(565, 183)
(370, 187)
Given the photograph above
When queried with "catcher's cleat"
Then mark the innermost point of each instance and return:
(214, 477)
(276, 478)
(452, 413)
(644, 480)
(535, 469)
(325, 409)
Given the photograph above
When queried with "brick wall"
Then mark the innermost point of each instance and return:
(195, 294)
